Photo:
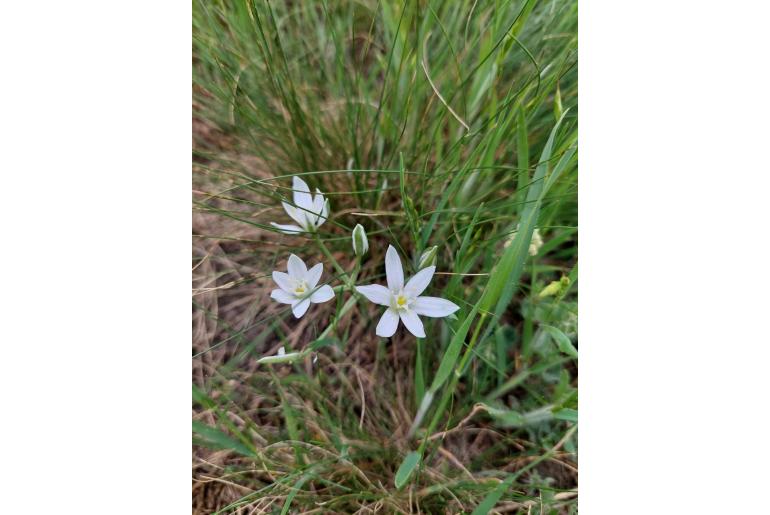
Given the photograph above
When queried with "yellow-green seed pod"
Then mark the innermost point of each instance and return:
(555, 288)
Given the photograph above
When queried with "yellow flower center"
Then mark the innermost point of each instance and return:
(300, 288)
(401, 301)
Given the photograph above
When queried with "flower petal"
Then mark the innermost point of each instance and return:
(287, 229)
(282, 296)
(314, 275)
(393, 269)
(375, 293)
(302, 196)
(417, 284)
(283, 281)
(435, 307)
(322, 294)
(296, 214)
(388, 324)
(412, 322)
(324, 213)
(318, 205)
(299, 307)
(296, 267)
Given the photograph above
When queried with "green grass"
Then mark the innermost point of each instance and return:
(430, 123)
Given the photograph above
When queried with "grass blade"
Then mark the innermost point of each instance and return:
(406, 468)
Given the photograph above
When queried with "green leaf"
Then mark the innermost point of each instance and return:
(407, 467)
(512, 418)
(220, 440)
(324, 342)
(505, 275)
(408, 204)
(493, 497)
(201, 398)
(453, 351)
(294, 491)
(570, 415)
(419, 377)
(562, 341)
(522, 151)
(507, 418)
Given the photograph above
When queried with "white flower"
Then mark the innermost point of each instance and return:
(404, 301)
(309, 211)
(298, 287)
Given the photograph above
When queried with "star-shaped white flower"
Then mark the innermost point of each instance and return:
(298, 287)
(404, 301)
(309, 211)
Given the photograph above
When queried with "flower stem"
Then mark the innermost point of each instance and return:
(329, 255)
(345, 308)
(349, 279)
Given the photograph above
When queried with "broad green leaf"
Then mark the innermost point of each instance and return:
(406, 468)
(562, 341)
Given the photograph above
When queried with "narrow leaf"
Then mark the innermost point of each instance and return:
(453, 351)
(493, 497)
(407, 467)
(568, 414)
(218, 439)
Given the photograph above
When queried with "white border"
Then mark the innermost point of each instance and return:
(673, 285)
(95, 129)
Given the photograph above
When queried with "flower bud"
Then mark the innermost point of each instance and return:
(428, 258)
(360, 243)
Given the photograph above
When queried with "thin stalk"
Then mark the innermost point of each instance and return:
(344, 275)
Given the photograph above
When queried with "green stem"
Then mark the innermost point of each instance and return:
(345, 308)
(329, 255)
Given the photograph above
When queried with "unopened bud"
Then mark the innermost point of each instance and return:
(360, 243)
(428, 258)
(556, 288)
